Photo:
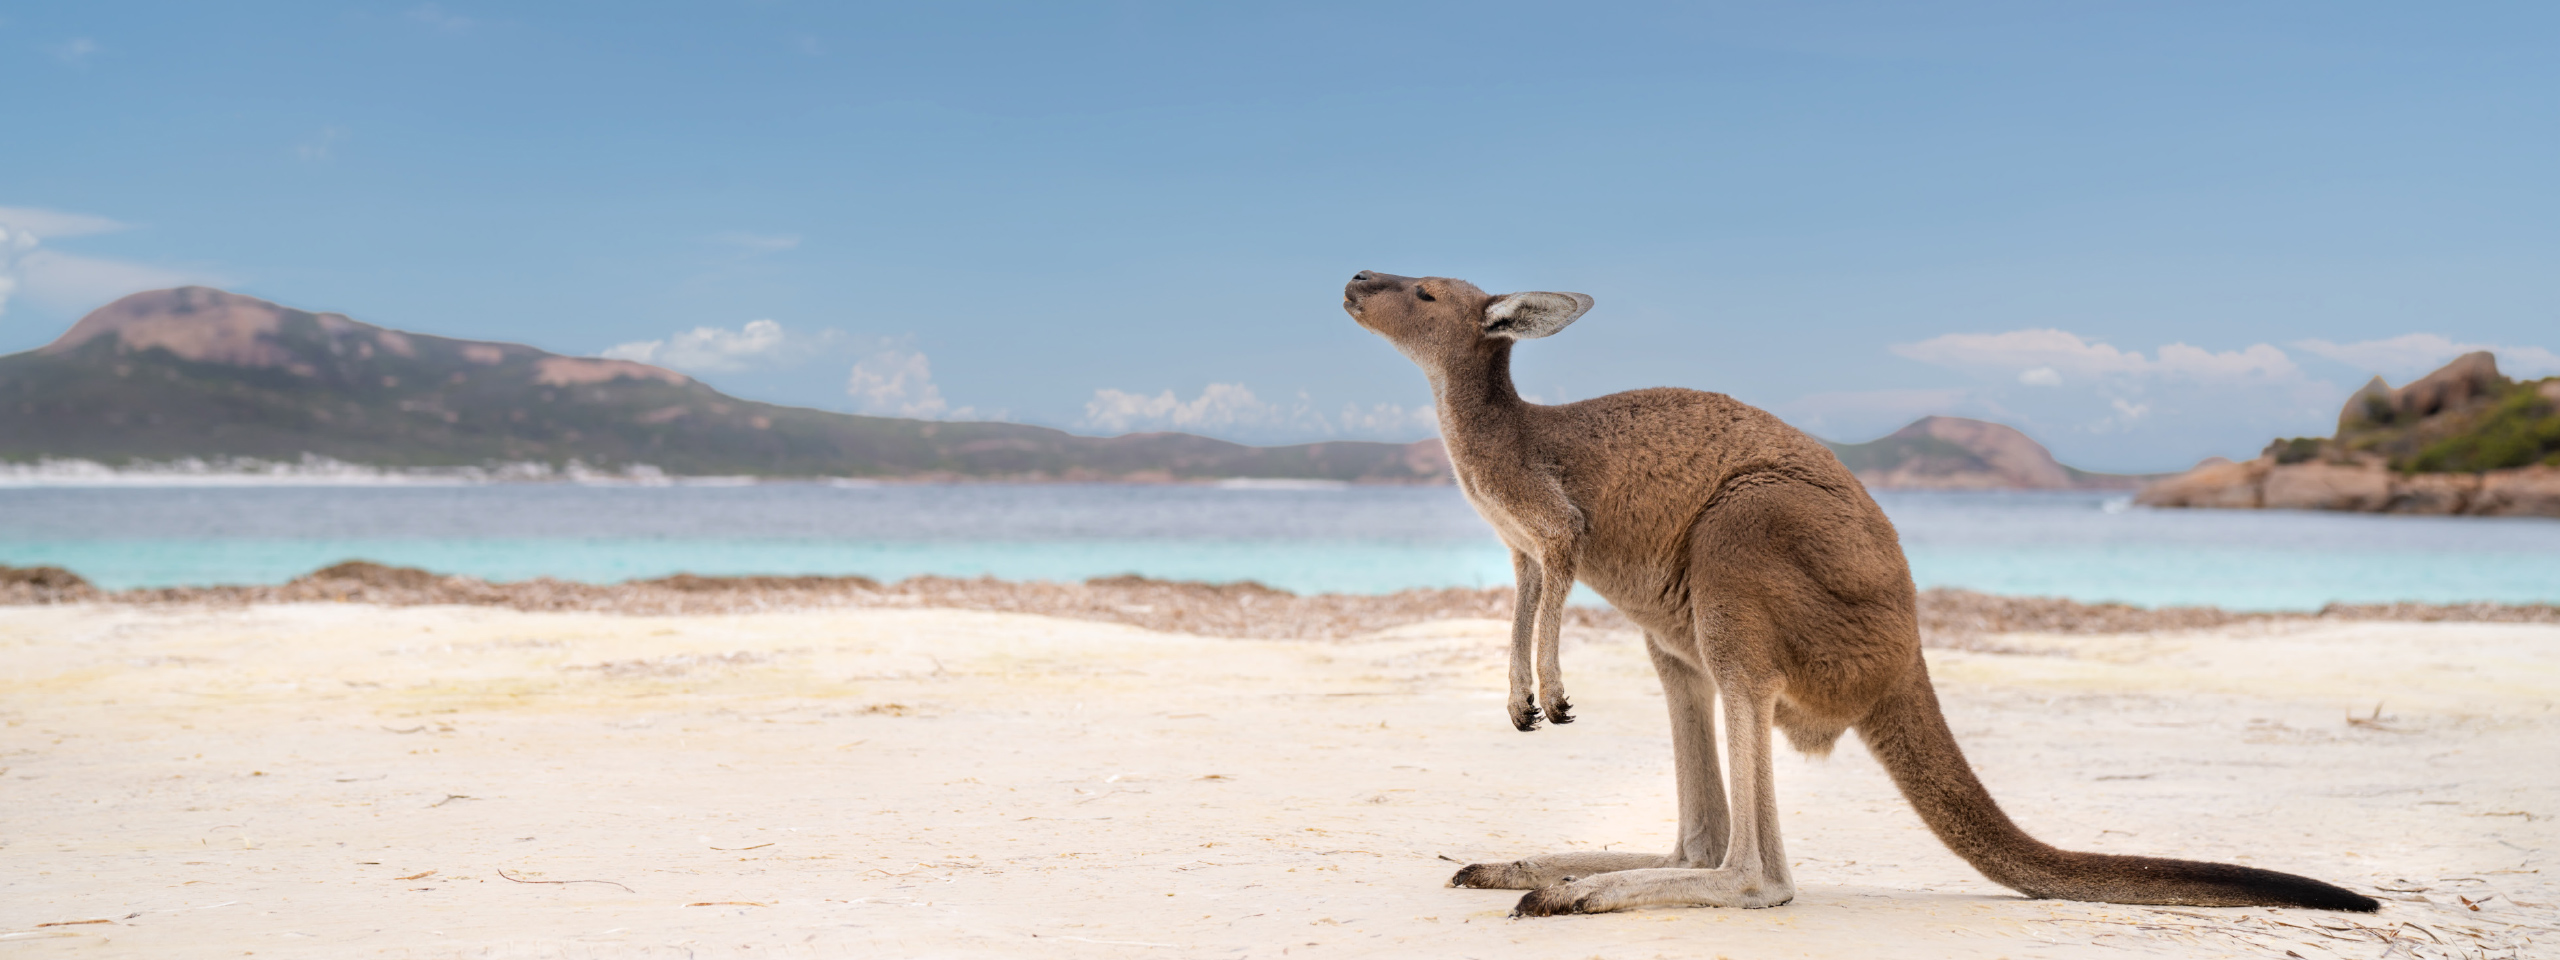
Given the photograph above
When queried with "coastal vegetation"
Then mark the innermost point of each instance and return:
(2465, 418)
(2520, 429)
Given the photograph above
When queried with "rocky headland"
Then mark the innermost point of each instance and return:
(2463, 440)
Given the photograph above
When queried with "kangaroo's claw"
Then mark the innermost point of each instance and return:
(1524, 718)
(1562, 712)
(1552, 901)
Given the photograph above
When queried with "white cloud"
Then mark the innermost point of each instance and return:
(889, 378)
(2048, 354)
(2412, 355)
(1219, 406)
(1388, 420)
(75, 51)
(437, 17)
(320, 147)
(54, 223)
(707, 349)
(68, 281)
(2256, 361)
(76, 282)
(2020, 349)
(1233, 410)
(899, 383)
(15, 245)
(2098, 405)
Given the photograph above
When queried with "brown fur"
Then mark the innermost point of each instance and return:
(1764, 579)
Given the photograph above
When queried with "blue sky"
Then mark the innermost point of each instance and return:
(2143, 232)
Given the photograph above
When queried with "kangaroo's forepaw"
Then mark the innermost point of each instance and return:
(1524, 717)
(1553, 901)
(1560, 711)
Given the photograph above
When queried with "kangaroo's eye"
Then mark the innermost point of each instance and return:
(1424, 294)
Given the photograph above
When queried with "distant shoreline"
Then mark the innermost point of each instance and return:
(316, 471)
(313, 470)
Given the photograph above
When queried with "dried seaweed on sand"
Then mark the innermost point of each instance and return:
(1243, 609)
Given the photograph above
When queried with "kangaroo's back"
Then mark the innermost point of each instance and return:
(1646, 468)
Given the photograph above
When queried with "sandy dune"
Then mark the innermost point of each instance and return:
(343, 780)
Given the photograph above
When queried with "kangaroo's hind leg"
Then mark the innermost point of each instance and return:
(1754, 871)
(1691, 697)
(1742, 546)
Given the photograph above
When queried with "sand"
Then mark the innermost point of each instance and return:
(353, 780)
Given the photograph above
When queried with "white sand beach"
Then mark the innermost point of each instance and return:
(350, 780)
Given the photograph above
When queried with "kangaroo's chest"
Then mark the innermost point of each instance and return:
(1498, 513)
(1636, 587)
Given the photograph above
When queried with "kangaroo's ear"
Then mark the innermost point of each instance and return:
(1537, 313)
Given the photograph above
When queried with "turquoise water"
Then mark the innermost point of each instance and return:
(1354, 539)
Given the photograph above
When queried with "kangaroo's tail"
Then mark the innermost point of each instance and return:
(1909, 735)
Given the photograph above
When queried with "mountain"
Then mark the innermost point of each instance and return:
(2462, 440)
(201, 373)
(1953, 453)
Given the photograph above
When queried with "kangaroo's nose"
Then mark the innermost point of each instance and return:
(1363, 275)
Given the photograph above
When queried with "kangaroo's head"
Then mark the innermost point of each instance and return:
(1431, 318)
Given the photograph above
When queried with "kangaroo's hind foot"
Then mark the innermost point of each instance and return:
(1547, 870)
(1662, 887)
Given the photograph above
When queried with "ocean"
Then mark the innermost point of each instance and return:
(2087, 546)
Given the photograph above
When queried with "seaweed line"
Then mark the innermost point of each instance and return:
(502, 871)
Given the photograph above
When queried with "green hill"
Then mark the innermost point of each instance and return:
(200, 373)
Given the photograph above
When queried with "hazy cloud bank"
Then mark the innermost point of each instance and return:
(887, 377)
(2107, 407)
(896, 382)
(890, 377)
(68, 281)
(1232, 410)
(2412, 355)
(707, 349)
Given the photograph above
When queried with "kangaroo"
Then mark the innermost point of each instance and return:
(1764, 578)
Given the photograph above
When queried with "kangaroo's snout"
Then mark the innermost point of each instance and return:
(1366, 283)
